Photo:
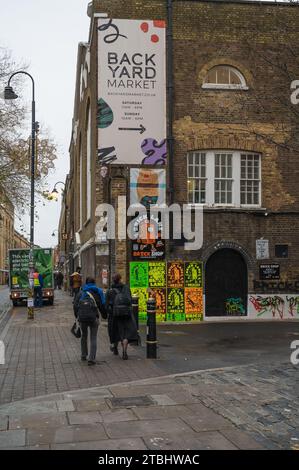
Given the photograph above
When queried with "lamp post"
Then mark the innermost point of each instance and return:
(9, 94)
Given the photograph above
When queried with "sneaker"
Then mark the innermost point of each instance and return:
(91, 363)
(83, 358)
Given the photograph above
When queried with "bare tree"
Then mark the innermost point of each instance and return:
(14, 149)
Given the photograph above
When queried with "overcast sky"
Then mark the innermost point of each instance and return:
(45, 35)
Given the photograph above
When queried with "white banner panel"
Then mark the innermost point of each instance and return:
(147, 187)
(274, 306)
(131, 92)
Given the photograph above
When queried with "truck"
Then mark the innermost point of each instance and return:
(19, 273)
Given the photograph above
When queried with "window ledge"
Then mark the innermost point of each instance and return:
(215, 86)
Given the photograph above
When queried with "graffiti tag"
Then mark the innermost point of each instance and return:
(234, 306)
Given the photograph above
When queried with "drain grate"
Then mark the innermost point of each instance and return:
(131, 401)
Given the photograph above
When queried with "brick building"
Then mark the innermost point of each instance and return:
(232, 149)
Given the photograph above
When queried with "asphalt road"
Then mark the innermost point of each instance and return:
(183, 348)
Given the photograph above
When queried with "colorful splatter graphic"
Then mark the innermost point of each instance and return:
(156, 153)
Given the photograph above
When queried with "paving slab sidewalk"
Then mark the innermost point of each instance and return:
(139, 415)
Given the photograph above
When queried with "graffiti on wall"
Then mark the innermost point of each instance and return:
(234, 306)
(274, 306)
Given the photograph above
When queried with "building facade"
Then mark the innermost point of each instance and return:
(232, 150)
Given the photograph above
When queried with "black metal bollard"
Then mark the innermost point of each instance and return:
(151, 335)
(135, 309)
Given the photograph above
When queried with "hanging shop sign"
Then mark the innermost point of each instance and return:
(148, 243)
(131, 114)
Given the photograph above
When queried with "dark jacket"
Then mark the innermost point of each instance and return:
(111, 294)
(98, 296)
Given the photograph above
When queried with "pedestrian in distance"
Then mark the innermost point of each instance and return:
(89, 304)
(38, 284)
(121, 323)
(59, 280)
(76, 281)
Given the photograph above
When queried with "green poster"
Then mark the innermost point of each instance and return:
(19, 267)
(157, 274)
(193, 274)
(175, 303)
(138, 274)
(142, 295)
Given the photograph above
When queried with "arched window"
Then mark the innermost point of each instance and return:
(224, 77)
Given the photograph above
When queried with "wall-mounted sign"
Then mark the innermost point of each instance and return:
(269, 271)
(193, 274)
(262, 249)
(131, 114)
(175, 304)
(148, 243)
(142, 295)
(157, 274)
(138, 274)
(161, 302)
(193, 303)
(175, 274)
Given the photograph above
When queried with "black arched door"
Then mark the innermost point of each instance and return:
(226, 284)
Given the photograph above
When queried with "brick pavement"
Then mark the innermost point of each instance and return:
(43, 357)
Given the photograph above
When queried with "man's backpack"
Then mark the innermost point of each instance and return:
(122, 306)
(87, 309)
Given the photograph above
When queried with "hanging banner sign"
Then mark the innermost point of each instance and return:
(157, 274)
(131, 92)
(147, 187)
(175, 274)
(193, 274)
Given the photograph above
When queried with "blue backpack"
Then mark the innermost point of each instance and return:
(87, 308)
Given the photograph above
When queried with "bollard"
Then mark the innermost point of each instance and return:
(135, 309)
(151, 335)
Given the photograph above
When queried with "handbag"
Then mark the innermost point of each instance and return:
(76, 330)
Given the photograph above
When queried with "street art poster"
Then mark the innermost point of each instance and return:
(157, 274)
(131, 115)
(161, 301)
(147, 187)
(276, 307)
(142, 295)
(148, 243)
(193, 274)
(138, 274)
(175, 305)
(175, 274)
(193, 303)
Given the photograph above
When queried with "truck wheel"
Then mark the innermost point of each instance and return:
(51, 301)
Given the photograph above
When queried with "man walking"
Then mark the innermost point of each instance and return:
(76, 281)
(38, 283)
(89, 303)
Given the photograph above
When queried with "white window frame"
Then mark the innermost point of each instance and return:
(236, 179)
(227, 86)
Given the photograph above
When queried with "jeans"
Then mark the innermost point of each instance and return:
(93, 327)
(38, 297)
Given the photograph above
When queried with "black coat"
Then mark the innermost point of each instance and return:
(119, 328)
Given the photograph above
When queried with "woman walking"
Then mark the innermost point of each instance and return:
(121, 323)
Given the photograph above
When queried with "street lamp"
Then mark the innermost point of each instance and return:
(9, 94)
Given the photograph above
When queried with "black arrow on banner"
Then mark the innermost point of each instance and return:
(141, 129)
